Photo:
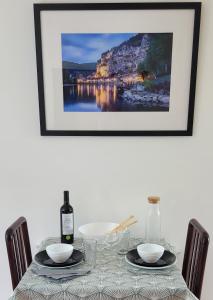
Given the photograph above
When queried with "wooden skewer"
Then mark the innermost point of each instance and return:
(120, 226)
(130, 223)
(125, 224)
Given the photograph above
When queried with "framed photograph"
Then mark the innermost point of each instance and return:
(117, 68)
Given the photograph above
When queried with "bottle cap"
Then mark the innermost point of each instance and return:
(153, 199)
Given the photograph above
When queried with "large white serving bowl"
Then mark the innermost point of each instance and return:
(59, 253)
(101, 232)
(97, 230)
(150, 253)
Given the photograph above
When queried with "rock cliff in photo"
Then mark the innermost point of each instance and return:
(125, 58)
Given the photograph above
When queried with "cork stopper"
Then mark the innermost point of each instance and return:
(153, 199)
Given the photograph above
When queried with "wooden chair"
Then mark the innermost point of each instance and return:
(194, 261)
(18, 249)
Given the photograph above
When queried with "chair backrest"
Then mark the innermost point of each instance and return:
(18, 249)
(194, 261)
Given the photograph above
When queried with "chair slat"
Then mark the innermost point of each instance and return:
(17, 254)
(14, 261)
(21, 251)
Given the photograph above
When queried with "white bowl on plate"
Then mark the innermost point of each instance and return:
(150, 253)
(59, 253)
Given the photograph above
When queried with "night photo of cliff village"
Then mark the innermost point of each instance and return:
(116, 72)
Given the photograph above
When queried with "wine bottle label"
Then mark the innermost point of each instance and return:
(67, 224)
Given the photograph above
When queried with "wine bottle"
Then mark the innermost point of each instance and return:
(67, 221)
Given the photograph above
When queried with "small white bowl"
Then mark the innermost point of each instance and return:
(59, 253)
(150, 253)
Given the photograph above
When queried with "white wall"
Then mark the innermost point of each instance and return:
(110, 177)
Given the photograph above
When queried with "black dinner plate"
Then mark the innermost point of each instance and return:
(167, 259)
(43, 259)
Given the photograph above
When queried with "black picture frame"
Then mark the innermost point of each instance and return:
(38, 8)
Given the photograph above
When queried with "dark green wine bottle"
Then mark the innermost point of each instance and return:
(67, 220)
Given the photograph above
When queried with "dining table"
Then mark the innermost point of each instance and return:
(111, 278)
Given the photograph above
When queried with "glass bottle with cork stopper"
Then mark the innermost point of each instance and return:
(153, 222)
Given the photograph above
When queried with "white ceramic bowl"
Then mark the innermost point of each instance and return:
(59, 253)
(96, 231)
(150, 253)
(101, 233)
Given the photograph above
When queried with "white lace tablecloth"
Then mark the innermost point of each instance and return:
(112, 278)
